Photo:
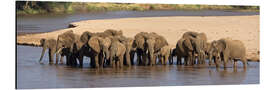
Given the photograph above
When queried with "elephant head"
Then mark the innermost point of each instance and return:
(105, 43)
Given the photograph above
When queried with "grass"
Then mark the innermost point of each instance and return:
(63, 7)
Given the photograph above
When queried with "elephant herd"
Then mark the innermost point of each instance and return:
(111, 49)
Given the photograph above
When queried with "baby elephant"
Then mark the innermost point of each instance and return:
(227, 49)
(164, 54)
(48, 44)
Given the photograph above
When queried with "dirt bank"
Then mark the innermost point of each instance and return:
(244, 28)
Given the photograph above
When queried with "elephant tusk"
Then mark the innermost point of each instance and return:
(58, 51)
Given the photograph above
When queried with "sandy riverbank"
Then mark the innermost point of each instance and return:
(244, 28)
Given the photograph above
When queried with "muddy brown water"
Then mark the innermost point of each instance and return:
(31, 74)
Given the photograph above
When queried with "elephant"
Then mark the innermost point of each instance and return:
(70, 45)
(227, 49)
(184, 49)
(154, 43)
(129, 54)
(164, 54)
(140, 44)
(199, 43)
(48, 44)
(100, 46)
(117, 51)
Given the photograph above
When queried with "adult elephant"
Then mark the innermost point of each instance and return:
(154, 43)
(129, 52)
(69, 44)
(199, 43)
(184, 49)
(48, 44)
(99, 47)
(140, 45)
(117, 51)
(229, 49)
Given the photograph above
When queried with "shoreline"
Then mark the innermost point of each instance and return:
(32, 7)
(244, 28)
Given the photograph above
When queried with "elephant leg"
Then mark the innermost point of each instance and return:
(166, 59)
(186, 60)
(96, 61)
(155, 60)
(244, 61)
(179, 60)
(81, 60)
(92, 61)
(121, 59)
(101, 59)
(131, 58)
(56, 58)
(234, 63)
(225, 62)
(128, 59)
(210, 59)
(162, 60)
(50, 57)
(139, 60)
(144, 59)
(118, 63)
(61, 59)
(67, 60)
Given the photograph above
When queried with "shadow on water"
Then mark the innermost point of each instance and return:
(31, 74)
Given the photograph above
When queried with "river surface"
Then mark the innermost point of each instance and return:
(31, 75)
(46, 23)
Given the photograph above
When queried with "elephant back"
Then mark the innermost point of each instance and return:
(68, 38)
(236, 48)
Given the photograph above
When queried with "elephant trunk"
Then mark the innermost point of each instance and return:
(42, 54)
(107, 54)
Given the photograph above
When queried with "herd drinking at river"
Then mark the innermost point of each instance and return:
(112, 49)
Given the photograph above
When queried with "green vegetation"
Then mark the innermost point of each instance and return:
(40, 7)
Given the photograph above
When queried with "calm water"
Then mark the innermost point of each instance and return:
(31, 74)
(45, 23)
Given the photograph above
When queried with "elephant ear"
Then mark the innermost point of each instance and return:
(187, 43)
(85, 37)
(94, 44)
(222, 44)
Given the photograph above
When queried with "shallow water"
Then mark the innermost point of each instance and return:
(31, 74)
(46, 23)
